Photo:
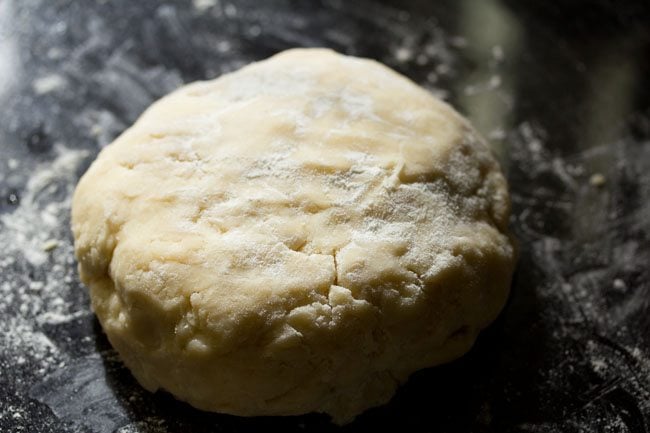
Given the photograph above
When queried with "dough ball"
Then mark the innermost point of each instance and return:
(297, 236)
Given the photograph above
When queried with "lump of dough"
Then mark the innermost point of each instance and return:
(300, 235)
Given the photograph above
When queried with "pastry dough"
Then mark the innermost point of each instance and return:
(300, 235)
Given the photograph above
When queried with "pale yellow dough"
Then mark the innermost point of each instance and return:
(300, 235)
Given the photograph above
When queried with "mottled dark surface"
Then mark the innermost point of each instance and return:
(559, 88)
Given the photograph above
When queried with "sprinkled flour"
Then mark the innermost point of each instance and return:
(38, 255)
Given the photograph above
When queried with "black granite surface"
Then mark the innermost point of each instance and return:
(561, 91)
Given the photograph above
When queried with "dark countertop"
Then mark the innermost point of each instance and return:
(561, 91)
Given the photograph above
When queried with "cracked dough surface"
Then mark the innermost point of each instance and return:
(297, 236)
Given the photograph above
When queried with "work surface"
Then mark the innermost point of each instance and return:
(559, 90)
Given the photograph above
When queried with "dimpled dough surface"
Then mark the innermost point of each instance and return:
(297, 236)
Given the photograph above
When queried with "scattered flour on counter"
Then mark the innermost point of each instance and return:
(48, 84)
(597, 180)
(149, 425)
(619, 285)
(203, 5)
(598, 365)
(12, 412)
(52, 318)
(38, 279)
(403, 54)
(230, 10)
(32, 224)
